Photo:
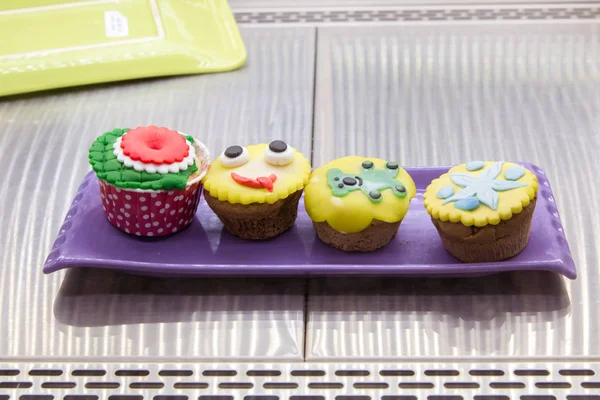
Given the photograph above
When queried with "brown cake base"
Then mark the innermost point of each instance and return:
(256, 221)
(490, 242)
(376, 235)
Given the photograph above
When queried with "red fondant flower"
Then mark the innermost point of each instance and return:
(152, 144)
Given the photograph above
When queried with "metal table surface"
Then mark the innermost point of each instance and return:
(504, 84)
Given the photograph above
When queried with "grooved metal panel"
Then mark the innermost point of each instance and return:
(282, 5)
(441, 96)
(107, 315)
(438, 14)
(305, 381)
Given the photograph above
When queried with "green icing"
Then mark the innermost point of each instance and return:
(108, 168)
(370, 181)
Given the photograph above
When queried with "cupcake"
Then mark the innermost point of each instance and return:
(255, 190)
(149, 178)
(357, 203)
(482, 210)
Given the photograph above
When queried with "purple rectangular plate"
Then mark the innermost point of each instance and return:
(86, 239)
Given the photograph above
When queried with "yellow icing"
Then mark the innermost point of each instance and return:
(290, 178)
(509, 202)
(354, 212)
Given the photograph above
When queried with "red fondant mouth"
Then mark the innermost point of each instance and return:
(258, 183)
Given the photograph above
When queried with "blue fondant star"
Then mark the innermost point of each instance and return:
(482, 187)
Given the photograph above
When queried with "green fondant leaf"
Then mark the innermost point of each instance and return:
(170, 182)
(96, 156)
(150, 185)
(131, 175)
(110, 140)
(146, 177)
(113, 165)
(113, 176)
(97, 146)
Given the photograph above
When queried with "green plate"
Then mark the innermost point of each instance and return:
(58, 43)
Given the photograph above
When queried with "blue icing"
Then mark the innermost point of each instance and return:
(474, 165)
(482, 188)
(468, 204)
(514, 173)
(445, 192)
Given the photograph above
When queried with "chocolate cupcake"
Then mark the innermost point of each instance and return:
(482, 210)
(255, 190)
(358, 203)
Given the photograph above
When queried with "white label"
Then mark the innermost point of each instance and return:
(115, 24)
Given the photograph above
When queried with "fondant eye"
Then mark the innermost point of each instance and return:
(279, 153)
(234, 156)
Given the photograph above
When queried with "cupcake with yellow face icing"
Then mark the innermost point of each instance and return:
(483, 209)
(357, 203)
(255, 190)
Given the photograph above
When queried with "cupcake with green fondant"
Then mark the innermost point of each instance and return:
(357, 203)
(150, 178)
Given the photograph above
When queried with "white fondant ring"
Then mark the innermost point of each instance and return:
(152, 168)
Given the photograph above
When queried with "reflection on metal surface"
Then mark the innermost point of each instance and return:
(427, 318)
(244, 311)
(528, 91)
(43, 153)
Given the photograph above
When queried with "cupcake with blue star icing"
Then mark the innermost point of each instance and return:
(482, 210)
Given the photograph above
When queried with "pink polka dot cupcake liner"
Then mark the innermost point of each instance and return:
(153, 212)
(150, 213)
